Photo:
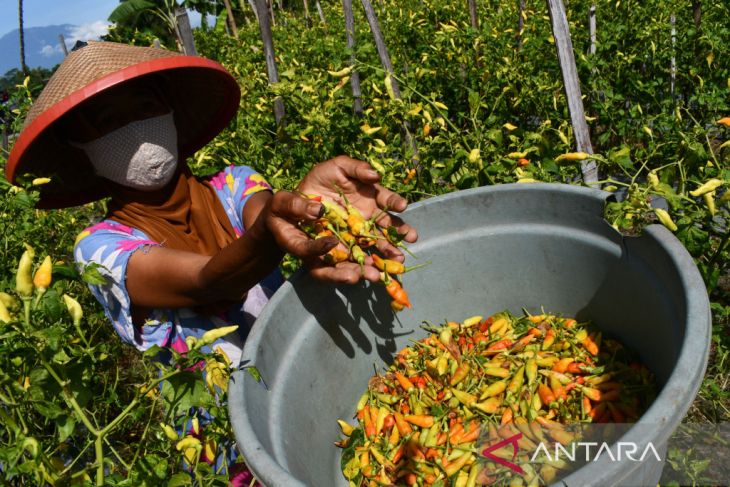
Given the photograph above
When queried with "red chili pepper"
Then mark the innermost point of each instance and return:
(485, 325)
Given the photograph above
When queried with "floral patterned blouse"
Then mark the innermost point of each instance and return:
(110, 244)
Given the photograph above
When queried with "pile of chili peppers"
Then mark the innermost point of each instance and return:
(473, 385)
(359, 235)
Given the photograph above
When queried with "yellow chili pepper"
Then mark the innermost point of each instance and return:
(169, 432)
(4, 313)
(573, 156)
(709, 186)
(710, 202)
(211, 336)
(24, 276)
(665, 219)
(74, 309)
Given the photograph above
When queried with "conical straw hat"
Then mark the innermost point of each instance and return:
(203, 96)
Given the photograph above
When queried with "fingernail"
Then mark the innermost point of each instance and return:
(315, 210)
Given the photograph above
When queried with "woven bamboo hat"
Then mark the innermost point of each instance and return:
(202, 94)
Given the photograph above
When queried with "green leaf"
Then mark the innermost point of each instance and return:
(91, 275)
(254, 372)
(128, 9)
(180, 479)
(66, 425)
(184, 391)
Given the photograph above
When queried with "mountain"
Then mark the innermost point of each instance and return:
(42, 47)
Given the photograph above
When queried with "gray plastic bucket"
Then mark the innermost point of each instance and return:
(492, 248)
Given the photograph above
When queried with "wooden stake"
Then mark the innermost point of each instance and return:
(564, 46)
(320, 12)
(231, 20)
(473, 14)
(388, 67)
(63, 45)
(273, 73)
(354, 75)
(185, 32)
(592, 27)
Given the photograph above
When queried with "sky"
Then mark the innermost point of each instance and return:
(89, 15)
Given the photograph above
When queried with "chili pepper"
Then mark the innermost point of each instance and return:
(573, 156)
(464, 397)
(546, 394)
(470, 434)
(531, 370)
(590, 344)
(358, 255)
(490, 406)
(498, 325)
(335, 214)
(494, 389)
(569, 322)
(392, 267)
(575, 368)
(500, 345)
(42, 277)
(74, 309)
(562, 364)
(461, 371)
(211, 336)
(665, 219)
(421, 420)
(396, 291)
(507, 416)
(457, 464)
(400, 423)
(24, 277)
(169, 432)
(516, 381)
(406, 384)
(707, 187)
(4, 313)
(380, 419)
(369, 425)
(548, 340)
(335, 255)
(710, 202)
(346, 428)
(497, 372)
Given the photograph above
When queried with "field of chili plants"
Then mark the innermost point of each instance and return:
(473, 107)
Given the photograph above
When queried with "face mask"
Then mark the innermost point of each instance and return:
(140, 155)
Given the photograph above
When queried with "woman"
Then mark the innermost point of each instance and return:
(182, 255)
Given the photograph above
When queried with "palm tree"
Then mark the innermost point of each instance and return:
(23, 66)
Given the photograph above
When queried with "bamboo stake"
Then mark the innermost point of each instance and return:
(269, 54)
(564, 46)
(231, 20)
(354, 75)
(388, 67)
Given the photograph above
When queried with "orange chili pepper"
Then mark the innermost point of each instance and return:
(562, 364)
(422, 420)
(396, 291)
(406, 384)
(403, 427)
(546, 394)
(590, 345)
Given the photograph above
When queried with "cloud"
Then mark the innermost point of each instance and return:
(88, 31)
(85, 32)
(50, 51)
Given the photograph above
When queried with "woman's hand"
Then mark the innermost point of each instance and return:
(343, 177)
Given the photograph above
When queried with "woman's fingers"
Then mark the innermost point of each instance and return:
(342, 273)
(354, 169)
(295, 208)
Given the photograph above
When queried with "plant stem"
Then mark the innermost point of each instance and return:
(99, 453)
(70, 399)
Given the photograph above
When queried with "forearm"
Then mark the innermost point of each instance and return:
(234, 270)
